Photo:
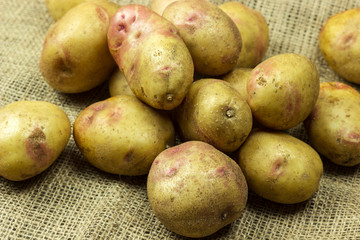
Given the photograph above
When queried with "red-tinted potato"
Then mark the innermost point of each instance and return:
(152, 56)
(212, 37)
(334, 124)
(195, 189)
(282, 90)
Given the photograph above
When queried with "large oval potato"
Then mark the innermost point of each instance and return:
(212, 37)
(282, 90)
(280, 167)
(339, 42)
(32, 136)
(334, 124)
(254, 32)
(75, 56)
(122, 135)
(195, 189)
(152, 56)
(214, 112)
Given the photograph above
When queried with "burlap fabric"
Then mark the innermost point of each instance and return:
(73, 200)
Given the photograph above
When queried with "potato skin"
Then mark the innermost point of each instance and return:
(194, 189)
(211, 36)
(75, 56)
(339, 42)
(214, 112)
(118, 84)
(333, 126)
(158, 6)
(151, 55)
(282, 90)
(58, 8)
(238, 79)
(254, 32)
(32, 136)
(280, 167)
(122, 135)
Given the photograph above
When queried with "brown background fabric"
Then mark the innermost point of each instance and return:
(74, 200)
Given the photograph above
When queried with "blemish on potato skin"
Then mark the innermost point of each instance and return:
(36, 147)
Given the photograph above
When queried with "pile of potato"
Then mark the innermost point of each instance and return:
(191, 70)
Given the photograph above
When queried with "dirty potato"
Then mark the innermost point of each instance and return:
(254, 32)
(212, 37)
(214, 112)
(195, 189)
(282, 90)
(32, 136)
(339, 42)
(280, 167)
(333, 126)
(75, 55)
(152, 56)
(122, 135)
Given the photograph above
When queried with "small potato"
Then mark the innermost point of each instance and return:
(339, 42)
(32, 136)
(75, 56)
(58, 8)
(334, 124)
(122, 135)
(152, 56)
(282, 90)
(214, 112)
(212, 37)
(118, 84)
(280, 167)
(195, 189)
(254, 32)
(238, 79)
(158, 6)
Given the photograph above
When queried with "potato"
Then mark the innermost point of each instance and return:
(212, 37)
(214, 112)
(282, 90)
(333, 126)
(32, 136)
(152, 56)
(122, 135)
(238, 79)
(58, 8)
(339, 43)
(75, 56)
(254, 32)
(118, 84)
(158, 6)
(195, 190)
(280, 167)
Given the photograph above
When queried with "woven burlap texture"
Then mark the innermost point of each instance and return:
(74, 200)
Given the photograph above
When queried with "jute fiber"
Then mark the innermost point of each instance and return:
(74, 200)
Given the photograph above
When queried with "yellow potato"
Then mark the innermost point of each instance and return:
(214, 112)
(334, 124)
(195, 189)
(118, 84)
(32, 136)
(58, 8)
(75, 56)
(122, 135)
(211, 36)
(238, 79)
(254, 32)
(152, 56)
(280, 167)
(339, 42)
(282, 90)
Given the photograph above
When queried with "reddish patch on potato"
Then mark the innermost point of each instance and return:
(102, 14)
(277, 169)
(128, 156)
(293, 103)
(36, 147)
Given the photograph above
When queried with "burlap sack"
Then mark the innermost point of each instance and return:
(73, 200)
